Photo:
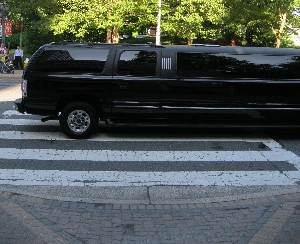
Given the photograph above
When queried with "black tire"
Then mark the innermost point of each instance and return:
(78, 120)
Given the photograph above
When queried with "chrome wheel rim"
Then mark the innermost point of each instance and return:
(79, 121)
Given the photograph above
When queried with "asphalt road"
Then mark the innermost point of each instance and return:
(141, 185)
(37, 158)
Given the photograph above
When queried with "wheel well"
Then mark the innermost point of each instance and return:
(93, 101)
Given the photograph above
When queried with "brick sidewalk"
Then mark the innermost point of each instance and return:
(27, 219)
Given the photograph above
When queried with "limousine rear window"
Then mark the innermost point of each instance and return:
(202, 65)
(137, 63)
(73, 59)
(228, 65)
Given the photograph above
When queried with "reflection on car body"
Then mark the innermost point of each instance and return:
(166, 85)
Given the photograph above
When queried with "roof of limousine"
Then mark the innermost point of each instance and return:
(193, 48)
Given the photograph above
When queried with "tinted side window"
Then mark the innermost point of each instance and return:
(228, 65)
(209, 65)
(137, 63)
(72, 60)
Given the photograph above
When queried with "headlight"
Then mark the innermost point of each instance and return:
(24, 88)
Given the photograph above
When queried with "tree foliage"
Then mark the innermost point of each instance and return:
(261, 22)
(37, 15)
(190, 19)
(253, 23)
(186, 18)
(82, 18)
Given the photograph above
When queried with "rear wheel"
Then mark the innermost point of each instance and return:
(78, 120)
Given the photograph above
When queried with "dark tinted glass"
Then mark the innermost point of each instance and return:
(228, 65)
(72, 60)
(137, 63)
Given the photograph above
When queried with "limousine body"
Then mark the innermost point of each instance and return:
(78, 84)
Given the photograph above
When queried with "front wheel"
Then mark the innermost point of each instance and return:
(78, 120)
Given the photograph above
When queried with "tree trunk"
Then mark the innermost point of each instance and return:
(279, 32)
(112, 35)
(108, 35)
(233, 40)
(115, 35)
(190, 42)
(278, 41)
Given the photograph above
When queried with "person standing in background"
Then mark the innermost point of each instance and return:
(18, 57)
(3, 52)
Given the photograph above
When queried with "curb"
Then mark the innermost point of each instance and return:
(147, 195)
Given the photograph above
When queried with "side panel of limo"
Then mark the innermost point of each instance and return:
(78, 84)
(233, 84)
(136, 82)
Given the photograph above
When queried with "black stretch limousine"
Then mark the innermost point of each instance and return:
(78, 84)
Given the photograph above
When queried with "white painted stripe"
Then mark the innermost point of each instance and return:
(20, 135)
(28, 135)
(10, 113)
(17, 135)
(26, 122)
(109, 178)
(143, 156)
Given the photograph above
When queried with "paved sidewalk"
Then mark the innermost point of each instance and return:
(17, 75)
(27, 219)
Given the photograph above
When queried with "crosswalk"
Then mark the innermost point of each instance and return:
(36, 153)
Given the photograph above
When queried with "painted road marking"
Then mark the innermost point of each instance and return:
(128, 178)
(144, 156)
(10, 113)
(23, 135)
(26, 122)
(109, 178)
(108, 137)
(121, 178)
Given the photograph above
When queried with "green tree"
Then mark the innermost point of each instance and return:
(187, 19)
(144, 15)
(83, 17)
(190, 19)
(37, 15)
(261, 22)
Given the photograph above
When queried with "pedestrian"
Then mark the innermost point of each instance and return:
(18, 57)
(3, 52)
